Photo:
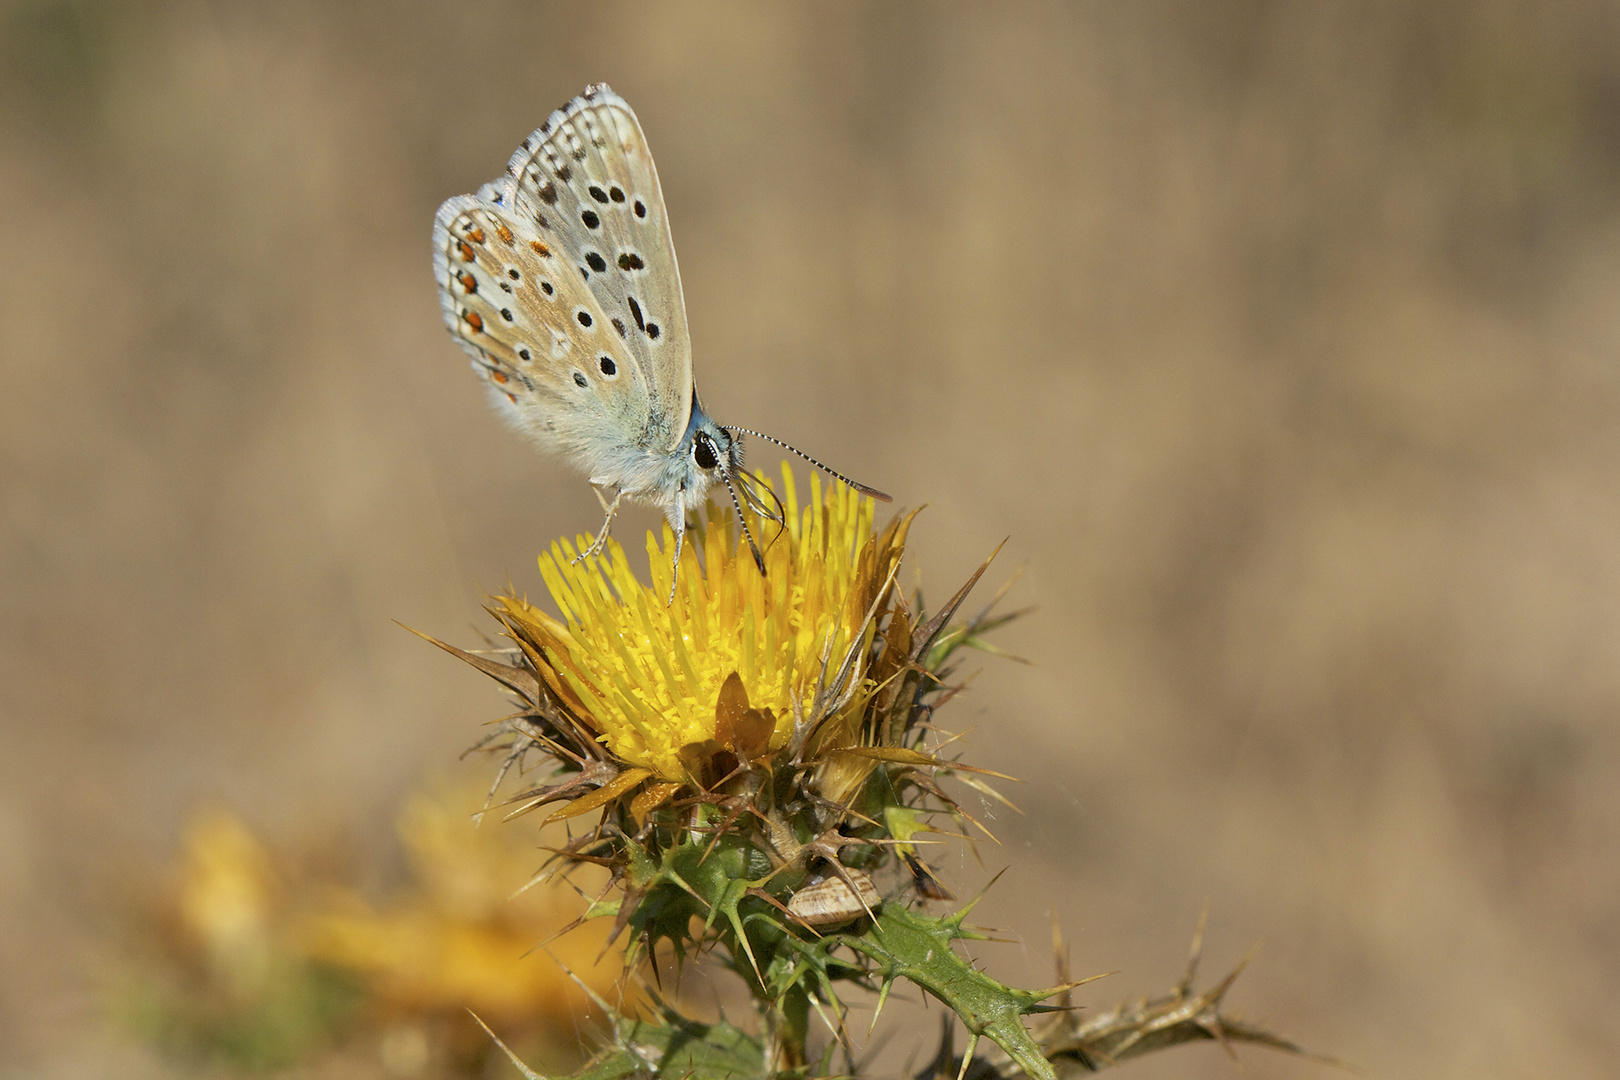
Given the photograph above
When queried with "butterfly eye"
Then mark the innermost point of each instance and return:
(703, 451)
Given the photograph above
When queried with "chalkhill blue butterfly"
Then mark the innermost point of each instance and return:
(559, 280)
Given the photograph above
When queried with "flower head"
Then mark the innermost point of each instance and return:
(737, 660)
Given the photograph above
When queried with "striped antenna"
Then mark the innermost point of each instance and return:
(862, 488)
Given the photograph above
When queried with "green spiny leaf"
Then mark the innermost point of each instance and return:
(918, 947)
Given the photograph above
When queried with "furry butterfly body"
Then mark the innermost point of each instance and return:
(559, 280)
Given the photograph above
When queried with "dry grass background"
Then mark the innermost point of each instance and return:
(1281, 337)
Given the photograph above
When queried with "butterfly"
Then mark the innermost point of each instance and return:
(559, 280)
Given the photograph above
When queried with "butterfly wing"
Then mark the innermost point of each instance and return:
(589, 356)
(588, 171)
(517, 305)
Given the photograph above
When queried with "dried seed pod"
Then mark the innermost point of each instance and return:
(831, 902)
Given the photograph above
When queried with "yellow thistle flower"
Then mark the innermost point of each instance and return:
(737, 659)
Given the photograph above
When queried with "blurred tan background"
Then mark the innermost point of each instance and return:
(1281, 338)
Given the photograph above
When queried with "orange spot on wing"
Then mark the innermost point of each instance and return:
(500, 377)
(512, 398)
(505, 234)
(465, 249)
(539, 248)
(476, 235)
(475, 321)
(468, 282)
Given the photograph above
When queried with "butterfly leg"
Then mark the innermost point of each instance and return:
(675, 567)
(607, 523)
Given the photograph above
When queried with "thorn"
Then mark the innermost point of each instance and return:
(737, 928)
(883, 997)
(923, 639)
(967, 1055)
(958, 772)
(1001, 594)
(524, 1069)
(1218, 1030)
(838, 1031)
(1215, 993)
(1184, 987)
(1063, 989)
(574, 925)
(1060, 956)
(596, 998)
(955, 919)
(651, 948)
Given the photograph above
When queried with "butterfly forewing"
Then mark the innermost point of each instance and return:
(587, 172)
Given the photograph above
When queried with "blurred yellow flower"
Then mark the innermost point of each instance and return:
(227, 898)
(253, 962)
(459, 939)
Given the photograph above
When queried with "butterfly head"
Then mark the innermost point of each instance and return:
(716, 452)
(711, 454)
(707, 455)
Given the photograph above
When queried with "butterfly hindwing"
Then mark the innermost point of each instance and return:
(518, 305)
